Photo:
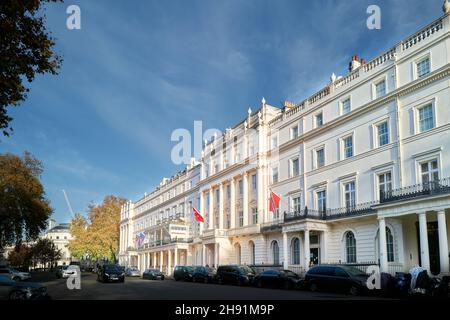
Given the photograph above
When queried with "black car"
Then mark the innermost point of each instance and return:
(235, 274)
(183, 273)
(336, 278)
(153, 274)
(111, 273)
(278, 279)
(204, 274)
(21, 290)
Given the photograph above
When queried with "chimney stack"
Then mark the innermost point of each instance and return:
(355, 63)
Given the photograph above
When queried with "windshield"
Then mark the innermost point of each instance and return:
(291, 274)
(355, 271)
(246, 269)
(112, 269)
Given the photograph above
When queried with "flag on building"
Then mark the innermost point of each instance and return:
(139, 240)
(274, 201)
(198, 216)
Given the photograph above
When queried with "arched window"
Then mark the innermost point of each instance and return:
(251, 246)
(295, 251)
(237, 251)
(389, 244)
(350, 247)
(275, 252)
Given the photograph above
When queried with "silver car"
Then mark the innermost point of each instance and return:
(15, 274)
(132, 272)
(18, 290)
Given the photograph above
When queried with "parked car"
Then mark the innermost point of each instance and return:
(19, 290)
(336, 278)
(153, 274)
(132, 272)
(67, 271)
(204, 274)
(277, 278)
(111, 273)
(15, 274)
(183, 273)
(235, 274)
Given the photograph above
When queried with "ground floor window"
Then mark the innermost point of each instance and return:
(295, 251)
(350, 247)
(275, 253)
(251, 245)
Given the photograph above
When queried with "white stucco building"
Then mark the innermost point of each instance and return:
(362, 168)
(60, 235)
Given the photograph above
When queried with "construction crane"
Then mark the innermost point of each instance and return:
(68, 203)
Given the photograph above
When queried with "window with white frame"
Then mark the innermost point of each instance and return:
(350, 194)
(384, 183)
(346, 106)
(295, 167)
(319, 120)
(241, 218)
(429, 171)
(295, 251)
(321, 201)
(274, 174)
(350, 247)
(423, 67)
(425, 117)
(254, 183)
(296, 203)
(347, 144)
(274, 141)
(241, 187)
(383, 133)
(254, 215)
(294, 132)
(380, 89)
(320, 157)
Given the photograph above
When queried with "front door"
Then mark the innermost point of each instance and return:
(314, 254)
(433, 246)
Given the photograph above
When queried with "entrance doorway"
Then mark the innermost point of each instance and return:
(314, 254)
(433, 246)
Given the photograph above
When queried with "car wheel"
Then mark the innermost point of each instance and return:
(16, 295)
(162, 277)
(240, 283)
(313, 287)
(16, 278)
(354, 291)
(219, 281)
(259, 284)
(287, 285)
(175, 278)
(206, 280)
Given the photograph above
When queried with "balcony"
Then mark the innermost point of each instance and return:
(330, 214)
(421, 190)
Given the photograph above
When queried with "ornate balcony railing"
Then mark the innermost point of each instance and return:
(330, 214)
(432, 188)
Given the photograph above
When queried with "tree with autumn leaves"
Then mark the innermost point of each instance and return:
(97, 237)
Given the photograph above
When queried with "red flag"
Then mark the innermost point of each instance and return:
(198, 216)
(273, 202)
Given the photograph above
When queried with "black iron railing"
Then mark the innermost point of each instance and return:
(432, 188)
(330, 214)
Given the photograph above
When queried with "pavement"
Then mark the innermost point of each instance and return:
(139, 289)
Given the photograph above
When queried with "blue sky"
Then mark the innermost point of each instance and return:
(137, 70)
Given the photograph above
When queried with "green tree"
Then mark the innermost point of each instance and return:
(26, 49)
(24, 210)
(45, 252)
(98, 236)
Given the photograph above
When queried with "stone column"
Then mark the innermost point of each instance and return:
(382, 245)
(221, 205)
(424, 251)
(260, 194)
(202, 211)
(216, 255)
(175, 257)
(211, 209)
(232, 204)
(169, 262)
(154, 260)
(245, 197)
(161, 260)
(285, 251)
(203, 255)
(443, 241)
(306, 250)
(323, 247)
